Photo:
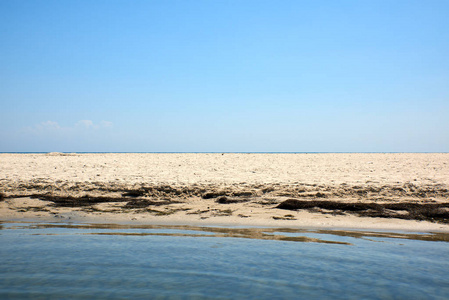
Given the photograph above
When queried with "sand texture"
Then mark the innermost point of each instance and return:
(388, 191)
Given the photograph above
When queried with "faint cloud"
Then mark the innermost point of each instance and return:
(80, 126)
(48, 125)
(88, 124)
(85, 124)
(106, 124)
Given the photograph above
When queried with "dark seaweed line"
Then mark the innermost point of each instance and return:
(434, 212)
(208, 192)
(69, 201)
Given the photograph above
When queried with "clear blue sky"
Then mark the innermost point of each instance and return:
(181, 76)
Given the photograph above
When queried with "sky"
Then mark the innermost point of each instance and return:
(224, 76)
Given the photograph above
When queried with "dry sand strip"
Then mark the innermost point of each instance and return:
(378, 191)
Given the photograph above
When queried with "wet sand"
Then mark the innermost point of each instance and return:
(374, 191)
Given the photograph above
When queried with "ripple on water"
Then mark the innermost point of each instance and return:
(55, 260)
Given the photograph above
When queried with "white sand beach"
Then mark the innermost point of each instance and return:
(230, 189)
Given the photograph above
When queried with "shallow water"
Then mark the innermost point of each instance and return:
(78, 261)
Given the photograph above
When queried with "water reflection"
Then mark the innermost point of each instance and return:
(325, 236)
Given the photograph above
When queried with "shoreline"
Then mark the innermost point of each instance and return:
(356, 224)
(407, 192)
(199, 211)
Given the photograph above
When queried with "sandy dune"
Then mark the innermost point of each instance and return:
(390, 191)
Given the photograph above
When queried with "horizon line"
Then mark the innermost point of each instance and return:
(222, 152)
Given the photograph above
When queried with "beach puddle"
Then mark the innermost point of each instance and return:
(279, 234)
